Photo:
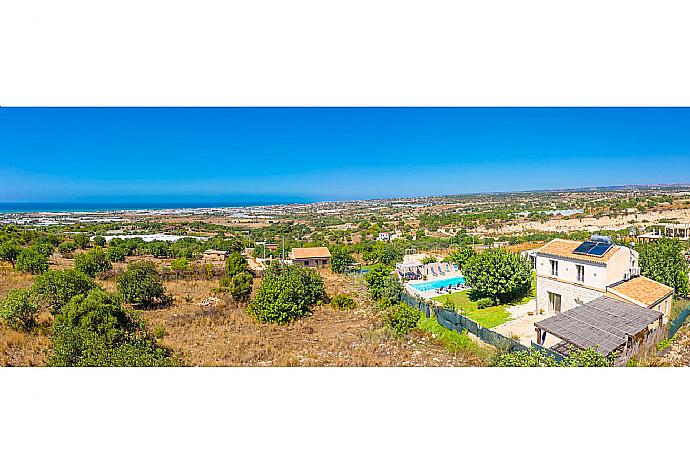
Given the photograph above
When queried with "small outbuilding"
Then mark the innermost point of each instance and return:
(211, 256)
(316, 257)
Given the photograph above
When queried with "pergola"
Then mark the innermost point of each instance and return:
(605, 324)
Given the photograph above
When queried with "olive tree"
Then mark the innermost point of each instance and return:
(19, 308)
(56, 288)
(31, 261)
(9, 250)
(92, 262)
(140, 285)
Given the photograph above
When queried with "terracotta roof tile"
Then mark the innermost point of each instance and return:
(642, 289)
(565, 248)
(310, 252)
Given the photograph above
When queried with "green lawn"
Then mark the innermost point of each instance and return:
(487, 317)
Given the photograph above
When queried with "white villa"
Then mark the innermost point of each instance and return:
(572, 273)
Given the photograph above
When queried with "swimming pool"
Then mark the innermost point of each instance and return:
(434, 284)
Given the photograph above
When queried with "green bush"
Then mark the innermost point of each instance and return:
(81, 240)
(92, 262)
(664, 262)
(95, 330)
(402, 318)
(429, 259)
(240, 287)
(448, 304)
(99, 241)
(382, 287)
(286, 293)
(19, 308)
(587, 358)
(342, 302)
(179, 265)
(485, 303)
(526, 358)
(116, 253)
(140, 285)
(31, 261)
(67, 249)
(56, 288)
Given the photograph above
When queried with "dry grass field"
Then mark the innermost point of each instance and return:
(208, 329)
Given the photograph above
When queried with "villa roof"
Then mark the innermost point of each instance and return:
(565, 248)
(645, 291)
(310, 252)
(602, 324)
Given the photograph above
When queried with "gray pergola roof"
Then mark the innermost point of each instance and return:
(603, 324)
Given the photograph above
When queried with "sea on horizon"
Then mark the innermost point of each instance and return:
(26, 207)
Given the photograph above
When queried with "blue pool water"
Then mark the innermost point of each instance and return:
(434, 284)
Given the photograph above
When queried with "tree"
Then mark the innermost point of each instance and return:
(382, 286)
(663, 261)
(286, 293)
(341, 260)
(140, 284)
(56, 288)
(31, 261)
(460, 256)
(498, 274)
(67, 248)
(92, 262)
(81, 240)
(99, 241)
(9, 250)
(95, 330)
(116, 253)
(240, 287)
(428, 259)
(235, 264)
(19, 309)
(179, 265)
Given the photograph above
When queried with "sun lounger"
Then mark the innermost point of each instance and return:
(431, 269)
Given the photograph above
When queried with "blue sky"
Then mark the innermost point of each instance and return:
(260, 154)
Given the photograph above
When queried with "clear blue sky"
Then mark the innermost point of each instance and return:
(226, 154)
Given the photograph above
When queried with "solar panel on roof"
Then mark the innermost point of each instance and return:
(599, 250)
(584, 248)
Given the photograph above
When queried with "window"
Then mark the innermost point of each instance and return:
(580, 272)
(554, 268)
(554, 303)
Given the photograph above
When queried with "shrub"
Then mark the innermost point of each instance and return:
(81, 240)
(343, 302)
(67, 249)
(31, 261)
(56, 288)
(140, 285)
(664, 262)
(587, 358)
(286, 293)
(526, 358)
(382, 286)
(19, 309)
(240, 287)
(95, 330)
(179, 265)
(460, 256)
(402, 318)
(485, 303)
(341, 259)
(92, 262)
(235, 264)
(499, 275)
(664, 344)
(448, 304)
(116, 253)
(99, 241)
(159, 332)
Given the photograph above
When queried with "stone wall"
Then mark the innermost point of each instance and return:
(568, 292)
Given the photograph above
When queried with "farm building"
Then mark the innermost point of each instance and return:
(211, 256)
(311, 256)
